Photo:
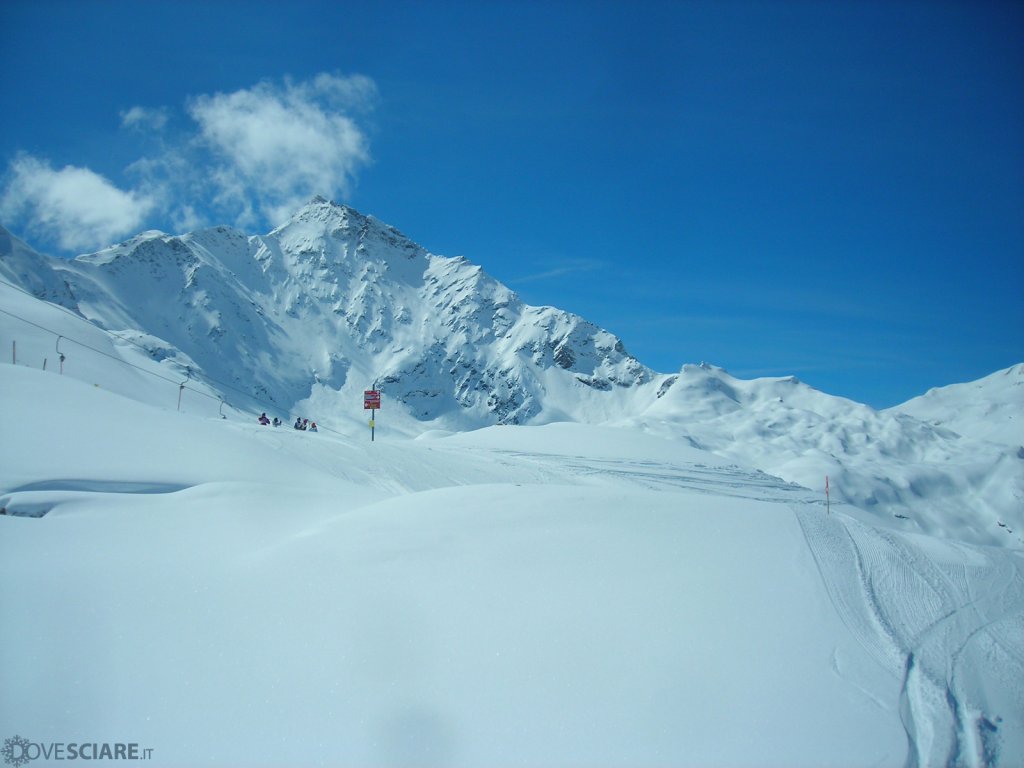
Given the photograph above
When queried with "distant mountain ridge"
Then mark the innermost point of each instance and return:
(303, 319)
(991, 408)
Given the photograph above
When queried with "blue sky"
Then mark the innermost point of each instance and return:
(833, 190)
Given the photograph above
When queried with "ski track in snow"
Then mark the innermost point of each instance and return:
(732, 481)
(917, 615)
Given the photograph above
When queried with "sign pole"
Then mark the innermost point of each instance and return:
(371, 402)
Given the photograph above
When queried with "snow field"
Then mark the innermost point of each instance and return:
(226, 593)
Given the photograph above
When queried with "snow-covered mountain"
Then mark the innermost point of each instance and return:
(300, 321)
(928, 475)
(991, 408)
(332, 303)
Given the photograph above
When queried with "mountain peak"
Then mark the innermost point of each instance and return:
(323, 226)
(320, 209)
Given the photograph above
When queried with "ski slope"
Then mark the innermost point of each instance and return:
(229, 594)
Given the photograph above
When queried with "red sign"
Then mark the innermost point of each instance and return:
(371, 399)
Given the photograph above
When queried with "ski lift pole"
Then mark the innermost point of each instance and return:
(61, 354)
(181, 388)
(828, 503)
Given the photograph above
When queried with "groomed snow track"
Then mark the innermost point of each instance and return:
(945, 620)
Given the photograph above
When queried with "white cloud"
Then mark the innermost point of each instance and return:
(255, 156)
(74, 207)
(275, 146)
(144, 117)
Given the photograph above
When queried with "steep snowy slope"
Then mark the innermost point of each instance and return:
(34, 272)
(39, 334)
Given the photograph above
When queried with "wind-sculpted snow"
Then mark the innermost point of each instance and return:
(562, 594)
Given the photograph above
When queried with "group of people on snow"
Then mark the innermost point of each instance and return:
(300, 423)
